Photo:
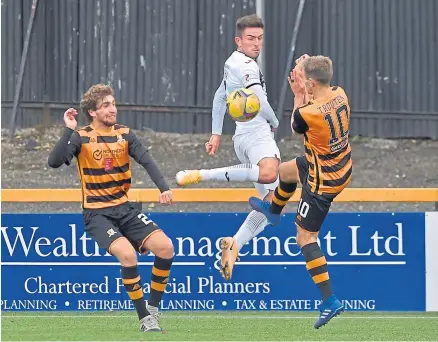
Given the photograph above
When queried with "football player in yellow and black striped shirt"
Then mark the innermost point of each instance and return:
(324, 171)
(103, 150)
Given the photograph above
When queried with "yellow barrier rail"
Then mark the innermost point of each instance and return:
(224, 195)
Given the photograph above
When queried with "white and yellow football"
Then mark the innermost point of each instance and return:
(243, 105)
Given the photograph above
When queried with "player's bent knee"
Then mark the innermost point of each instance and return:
(128, 258)
(305, 237)
(270, 178)
(268, 170)
(159, 244)
(268, 175)
(165, 251)
(124, 252)
(303, 240)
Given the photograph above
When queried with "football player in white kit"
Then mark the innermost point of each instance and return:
(254, 141)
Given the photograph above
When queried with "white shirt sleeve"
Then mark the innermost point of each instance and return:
(219, 109)
(251, 75)
(251, 80)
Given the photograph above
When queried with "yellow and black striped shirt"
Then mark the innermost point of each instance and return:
(325, 125)
(103, 163)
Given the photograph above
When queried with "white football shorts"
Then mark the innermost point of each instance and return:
(251, 148)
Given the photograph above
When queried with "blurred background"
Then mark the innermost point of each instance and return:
(165, 58)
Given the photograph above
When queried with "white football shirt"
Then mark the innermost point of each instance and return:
(241, 71)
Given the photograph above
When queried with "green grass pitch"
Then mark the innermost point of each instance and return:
(219, 326)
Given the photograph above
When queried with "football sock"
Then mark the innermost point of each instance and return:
(131, 280)
(317, 267)
(152, 309)
(235, 173)
(253, 225)
(282, 193)
(160, 277)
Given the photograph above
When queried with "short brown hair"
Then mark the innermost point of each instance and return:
(248, 21)
(93, 96)
(319, 68)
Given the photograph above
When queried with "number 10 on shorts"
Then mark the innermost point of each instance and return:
(303, 208)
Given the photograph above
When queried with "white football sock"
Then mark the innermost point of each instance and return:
(254, 224)
(152, 309)
(237, 173)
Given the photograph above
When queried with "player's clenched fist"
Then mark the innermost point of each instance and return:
(69, 118)
(212, 145)
(166, 197)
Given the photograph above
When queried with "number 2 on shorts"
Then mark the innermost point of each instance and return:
(144, 218)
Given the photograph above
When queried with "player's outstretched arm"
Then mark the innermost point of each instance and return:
(218, 110)
(217, 119)
(251, 80)
(266, 110)
(142, 156)
(69, 145)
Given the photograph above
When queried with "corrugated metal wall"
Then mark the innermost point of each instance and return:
(280, 19)
(168, 55)
(62, 50)
(383, 52)
(11, 14)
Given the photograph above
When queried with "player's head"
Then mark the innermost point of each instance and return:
(318, 71)
(249, 35)
(98, 105)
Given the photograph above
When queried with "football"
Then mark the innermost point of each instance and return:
(243, 105)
